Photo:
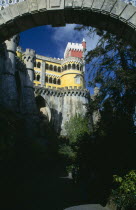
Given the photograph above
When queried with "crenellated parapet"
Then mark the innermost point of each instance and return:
(12, 43)
(72, 60)
(63, 92)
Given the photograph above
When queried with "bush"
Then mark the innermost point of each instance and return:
(125, 194)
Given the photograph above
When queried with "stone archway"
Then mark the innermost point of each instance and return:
(111, 15)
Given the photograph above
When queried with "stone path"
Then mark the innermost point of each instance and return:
(88, 207)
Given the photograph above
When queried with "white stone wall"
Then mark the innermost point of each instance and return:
(6, 3)
(64, 104)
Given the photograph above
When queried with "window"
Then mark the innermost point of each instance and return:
(34, 76)
(46, 79)
(77, 67)
(54, 81)
(38, 77)
(65, 67)
(55, 68)
(38, 65)
(59, 69)
(46, 66)
(59, 81)
(73, 66)
(78, 79)
(50, 80)
(69, 66)
(51, 67)
(81, 68)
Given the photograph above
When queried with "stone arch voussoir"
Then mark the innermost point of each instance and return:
(112, 15)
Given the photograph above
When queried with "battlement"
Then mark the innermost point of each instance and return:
(29, 52)
(73, 46)
(72, 59)
(63, 92)
(19, 49)
(54, 60)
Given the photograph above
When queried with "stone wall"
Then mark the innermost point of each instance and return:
(63, 105)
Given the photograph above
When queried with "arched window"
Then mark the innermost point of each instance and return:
(50, 80)
(34, 75)
(55, 68)
(54, 81)
(81, 68)
(59, 69)
(78, 67)
(51, 67)
(65, 67)
(38, 77)
(46, 79)
(73, 66)
(59, 82)
(46, 66)
(69, 66)
(38, 65)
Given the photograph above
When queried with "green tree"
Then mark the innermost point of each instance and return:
(76, 129)
(125, 193)
(111, 67)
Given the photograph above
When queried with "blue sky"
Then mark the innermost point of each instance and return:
(51, 42)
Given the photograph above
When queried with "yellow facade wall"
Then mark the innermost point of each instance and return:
(68, 79)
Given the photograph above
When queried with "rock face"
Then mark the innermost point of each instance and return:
(16, 83)
(64, 104)
(8, 86)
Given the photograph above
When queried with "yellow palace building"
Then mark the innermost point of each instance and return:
(67, 73)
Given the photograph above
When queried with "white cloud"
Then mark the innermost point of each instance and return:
(66, 34)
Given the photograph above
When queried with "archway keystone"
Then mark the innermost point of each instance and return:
(114, 16)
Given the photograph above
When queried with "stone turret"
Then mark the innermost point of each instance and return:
(8, 86)
(29, 98)
(11, 46)
(29, 59)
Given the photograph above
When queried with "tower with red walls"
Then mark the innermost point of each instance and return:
(75, 50)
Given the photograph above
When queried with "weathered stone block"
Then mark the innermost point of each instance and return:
(33, 5)
(55, 4)
(78, 3)
(69, 3)
(107, 6)
(128, 13)
(23, 8)
(97, 5)
(42, 5)
(2, 21)
(87, 4)
(132, 21)
(14, 10)
(6, 14)
(25, 23)
(118, 9)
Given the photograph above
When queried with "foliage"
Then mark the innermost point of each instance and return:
(125, 194)
(112, 68)
(76, 129)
